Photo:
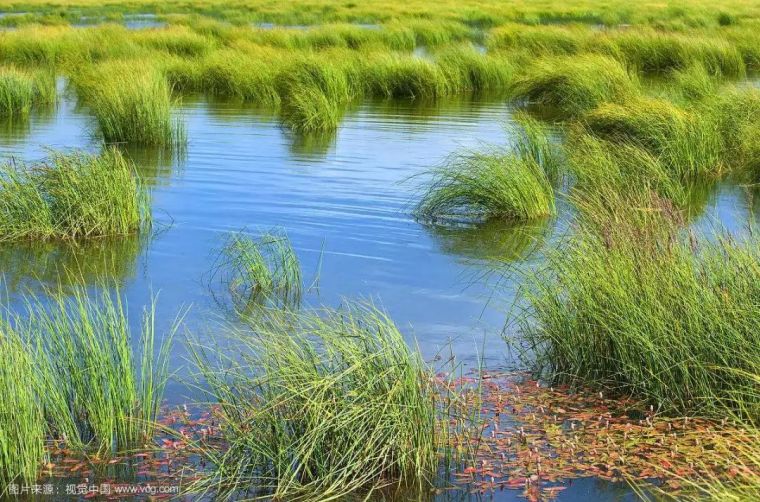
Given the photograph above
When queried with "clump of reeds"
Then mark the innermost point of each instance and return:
(514, 185)
(97, 391)
(657, 51)
(260, 270)
(314, 94)
(400, 76)
(320, 405)
(466, 69)
(575, 84)
(652, 313)
(22, 425)
(737, 114)
(21, 90)
(132, 103)
(72, 196)
(688, 143)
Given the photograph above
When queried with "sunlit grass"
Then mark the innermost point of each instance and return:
(319, 405)
(132, 103)
(72, 196)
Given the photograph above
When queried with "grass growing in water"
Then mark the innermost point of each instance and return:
(72, 196)
(512, 185)
(132, 103)
(22, 425)
(22, 90)
(320, 406)
(574, 84)
(688, 143)
(653, 314)
(256, 270)
(97, 393)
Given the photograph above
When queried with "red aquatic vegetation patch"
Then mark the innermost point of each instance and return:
(538, 438)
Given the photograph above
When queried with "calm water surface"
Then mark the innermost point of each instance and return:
(345, 198)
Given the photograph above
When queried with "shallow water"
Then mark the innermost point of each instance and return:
(344, 200)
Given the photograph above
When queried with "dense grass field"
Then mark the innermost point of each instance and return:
(623, 114)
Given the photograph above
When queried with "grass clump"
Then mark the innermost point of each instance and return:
(314, 93)
(132, 103)
(658, 52)
(511, 185)
(466, 69)
(401, 76)
(688, 143)
(260, 269)
(72, 196)
(737, 113)
(22, 425)
(98, 392)
(22, 90)
(574, 84)
(651, 314)
(319, 406)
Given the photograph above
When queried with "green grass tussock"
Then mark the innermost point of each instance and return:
(257, 270)
(515, 185)
(21, 90)
(98, 392)
(132, 103)
(72, 196)
(466, 69)
(399, 76)
(177, 40)
(687, 143)
(539, 40)
(737, 113)
(22, 425)
(321, 405)
(575, 84)
(653, 51)
(669, 319)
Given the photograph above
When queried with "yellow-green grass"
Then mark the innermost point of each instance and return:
(688, 143)
(574, 84)
(22, 424)
(72, 196)
(319, 406)
(21, 90)
(652, 313)
(132, 103)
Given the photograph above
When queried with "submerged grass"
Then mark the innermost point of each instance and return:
(72, 196)
(319, 406)
(259, 270)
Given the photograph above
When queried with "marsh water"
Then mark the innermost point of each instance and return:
(343, 199)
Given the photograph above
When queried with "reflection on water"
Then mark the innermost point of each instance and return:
(27, 265)
(491, 242)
